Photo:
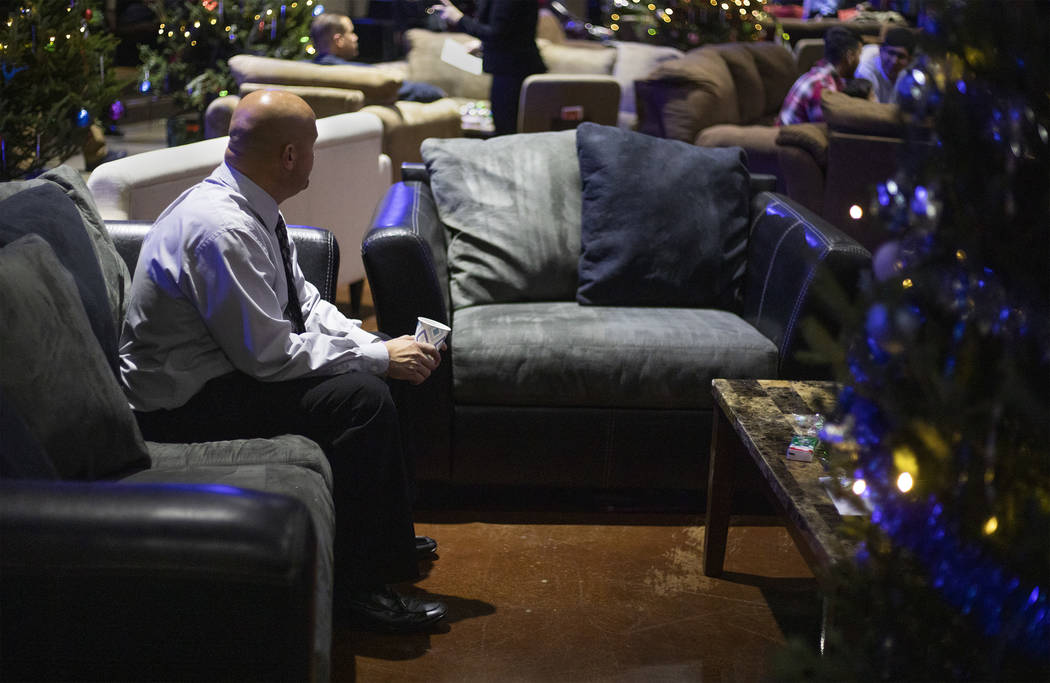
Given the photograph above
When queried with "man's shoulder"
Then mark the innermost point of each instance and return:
(206, 212)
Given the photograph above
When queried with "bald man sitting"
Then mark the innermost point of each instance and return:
(224, 339)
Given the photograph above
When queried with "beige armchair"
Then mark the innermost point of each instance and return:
(562, 101)
(623, 61)
(338, 89)
(350, 176)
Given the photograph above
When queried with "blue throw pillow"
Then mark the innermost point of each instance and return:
(664, 222)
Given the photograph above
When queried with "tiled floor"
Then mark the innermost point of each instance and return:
(542, 595)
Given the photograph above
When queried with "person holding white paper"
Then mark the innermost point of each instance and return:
(507, 30)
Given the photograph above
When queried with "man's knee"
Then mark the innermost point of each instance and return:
(351, 398)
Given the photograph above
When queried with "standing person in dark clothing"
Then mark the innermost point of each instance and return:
(507, 30)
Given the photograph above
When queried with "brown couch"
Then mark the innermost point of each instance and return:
(740, 85)
(830, 167)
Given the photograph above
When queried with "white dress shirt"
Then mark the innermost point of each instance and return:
(870, 69)
(208, 297)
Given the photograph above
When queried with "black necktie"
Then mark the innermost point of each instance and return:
(294, 311)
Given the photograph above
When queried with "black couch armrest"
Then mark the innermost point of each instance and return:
(146, 582)
(414, 170)
(316, 247)
(404, 253)
(792, 254)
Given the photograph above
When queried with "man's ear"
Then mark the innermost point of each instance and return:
(288, 157)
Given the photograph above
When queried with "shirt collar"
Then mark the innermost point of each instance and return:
(259, 200)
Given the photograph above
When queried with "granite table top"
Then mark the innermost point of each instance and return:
(761, 414)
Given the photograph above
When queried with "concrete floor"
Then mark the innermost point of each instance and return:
(548, 595)
(593, 597)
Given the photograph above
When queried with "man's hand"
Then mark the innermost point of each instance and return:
(411, 360)
(448, 12)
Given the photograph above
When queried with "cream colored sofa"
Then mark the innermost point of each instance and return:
(350, 175)
(625, 62)
(339, 89)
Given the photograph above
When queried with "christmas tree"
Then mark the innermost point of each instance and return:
(686, 24)
(57, 81)
(195, 40)
(943, 426)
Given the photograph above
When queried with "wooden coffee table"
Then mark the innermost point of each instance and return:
(752, 428)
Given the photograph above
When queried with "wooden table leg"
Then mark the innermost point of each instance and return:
(725, 450)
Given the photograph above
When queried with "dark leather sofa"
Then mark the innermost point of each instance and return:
(582, 437)
(209, 561)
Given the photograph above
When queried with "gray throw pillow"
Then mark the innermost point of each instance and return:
(53, 371)
(664, 222)
(114, 270)
(43, 209)
(511, 206)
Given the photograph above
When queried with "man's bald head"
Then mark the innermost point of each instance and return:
(272, 134)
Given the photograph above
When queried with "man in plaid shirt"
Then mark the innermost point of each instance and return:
(841, 57)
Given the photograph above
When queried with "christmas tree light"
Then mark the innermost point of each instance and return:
(686, 24)
(57, 80)
(195, 40)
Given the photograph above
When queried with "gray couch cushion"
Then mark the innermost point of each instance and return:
(42, 208)
(286, 449)
(53, 371)
(114, 270)
(304, 484)
(563, 354)
(511, 206)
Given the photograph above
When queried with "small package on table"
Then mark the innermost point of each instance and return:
(804, 443)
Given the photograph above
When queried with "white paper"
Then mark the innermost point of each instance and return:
(455, 54)
(845, 506)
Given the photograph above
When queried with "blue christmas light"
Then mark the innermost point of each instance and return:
(83, 118)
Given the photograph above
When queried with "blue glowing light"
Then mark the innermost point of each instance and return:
(83, 118)
(961, 86)
(775, 210)
(318, 10)
(145, 86)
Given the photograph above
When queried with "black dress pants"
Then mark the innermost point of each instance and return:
(504, 96)
(353, 418)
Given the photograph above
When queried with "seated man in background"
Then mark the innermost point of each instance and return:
(336, 43)
(841, 56)
(225, 339)
(882, 64)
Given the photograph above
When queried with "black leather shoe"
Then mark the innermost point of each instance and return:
(425, 545)
(385, 610)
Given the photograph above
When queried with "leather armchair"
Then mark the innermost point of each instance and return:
(339, 89)
(565, 441)
(834, 166)
(212, 563)
(721, 95)
(111, 581)
(350, 174)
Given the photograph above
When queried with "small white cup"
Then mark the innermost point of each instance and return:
(431, 331)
